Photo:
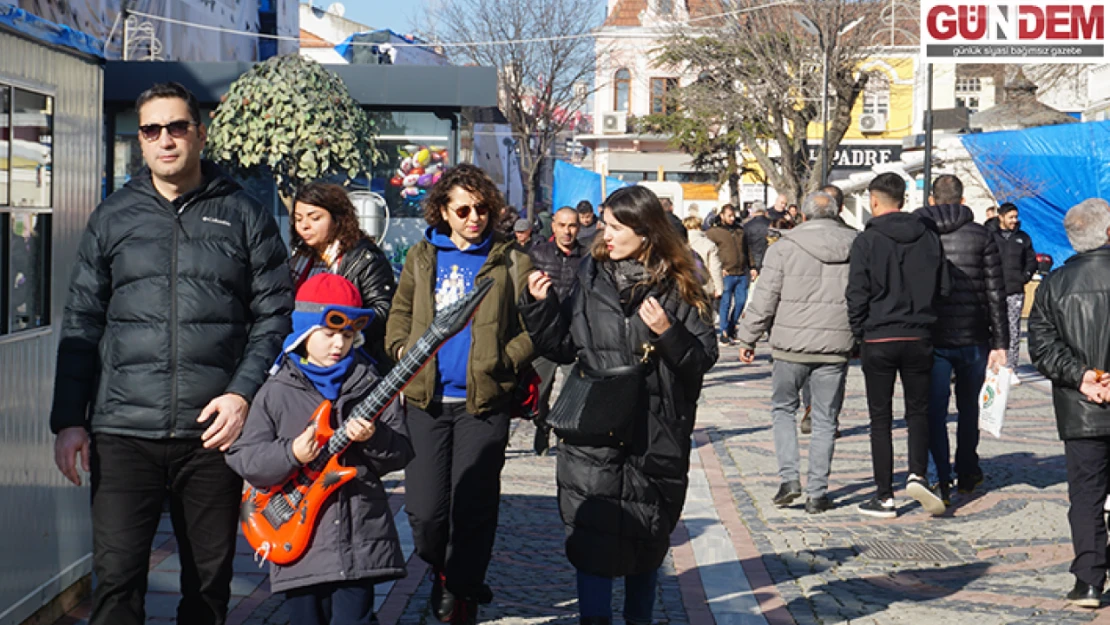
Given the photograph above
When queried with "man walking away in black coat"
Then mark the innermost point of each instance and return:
(1019, 263)
(559, 259)
(197, 280)
(897, 270)
(1069, 342)
(755, 238)
(970, 335)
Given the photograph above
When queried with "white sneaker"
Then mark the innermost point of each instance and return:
(1014, 379)
(1106, 506)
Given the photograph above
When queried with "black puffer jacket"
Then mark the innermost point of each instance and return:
(367, 267)
(563, 268)
(1019, 261)
(170, 305)
(620, 504)
(1069, 335)
(974, 312)
(755, 239)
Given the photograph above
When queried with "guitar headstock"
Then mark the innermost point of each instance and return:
(452, 319)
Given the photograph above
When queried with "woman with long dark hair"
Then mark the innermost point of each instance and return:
(458, 405)
(638, 300)
(325, 237)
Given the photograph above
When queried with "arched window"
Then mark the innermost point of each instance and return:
(666, 7)
(622, 88)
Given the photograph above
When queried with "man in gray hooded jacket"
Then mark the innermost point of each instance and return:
(800, 299)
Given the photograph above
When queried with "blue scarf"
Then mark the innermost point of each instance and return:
(327, 380)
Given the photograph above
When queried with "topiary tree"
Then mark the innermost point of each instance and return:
(292, 119)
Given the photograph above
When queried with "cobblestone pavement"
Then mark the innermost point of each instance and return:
(998, 556)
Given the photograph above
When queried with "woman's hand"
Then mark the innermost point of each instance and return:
(539, 285)
(656, 319)
(305, 447)
(360, 430)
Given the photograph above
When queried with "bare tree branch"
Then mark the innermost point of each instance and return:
(546, 68)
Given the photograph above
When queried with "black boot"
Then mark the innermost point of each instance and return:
(441, 600)
(595, 620)
(542, 440)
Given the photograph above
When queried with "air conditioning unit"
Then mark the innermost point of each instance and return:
(872, 122)
(614, 123)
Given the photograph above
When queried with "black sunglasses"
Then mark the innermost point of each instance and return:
(177, 130)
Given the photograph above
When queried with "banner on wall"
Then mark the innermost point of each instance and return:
(177, 42)
(1008, 31)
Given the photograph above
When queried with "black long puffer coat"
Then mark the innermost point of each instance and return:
(171, 304)
(619, 504)
(974, 312)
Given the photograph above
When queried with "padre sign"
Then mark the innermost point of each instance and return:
(1007, 31)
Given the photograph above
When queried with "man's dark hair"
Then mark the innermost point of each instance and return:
(836, 193)
(947, 189)
(891, 186)
(170, 90)
(1007, 207)
(584, 207)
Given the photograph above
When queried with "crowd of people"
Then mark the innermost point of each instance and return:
(196, 347)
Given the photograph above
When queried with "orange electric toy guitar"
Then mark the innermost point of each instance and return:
(278, 522)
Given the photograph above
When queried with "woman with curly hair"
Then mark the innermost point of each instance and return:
(325, 238)
(458, 405)
(638, 300)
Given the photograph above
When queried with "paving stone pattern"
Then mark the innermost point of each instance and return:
(999, 556)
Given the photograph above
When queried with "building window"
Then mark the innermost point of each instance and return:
(26, 201)
(622, 89)
(661, 89)
(666, 7)
(968, 91)
(876, 95)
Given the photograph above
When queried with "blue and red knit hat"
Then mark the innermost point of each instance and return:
(326, 300)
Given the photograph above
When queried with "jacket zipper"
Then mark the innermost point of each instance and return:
(177, 225)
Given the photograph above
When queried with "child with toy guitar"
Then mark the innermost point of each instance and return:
(354, 544)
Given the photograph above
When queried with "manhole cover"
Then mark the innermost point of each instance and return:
(902, 551)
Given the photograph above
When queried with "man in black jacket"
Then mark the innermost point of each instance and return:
(587, 223)
(896, 271)
(1069, 342)
(559, 259)
(755, 238)
(178, 304)
(1019, 263)
(970, 335)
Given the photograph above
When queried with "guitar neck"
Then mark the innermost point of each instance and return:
(384, 392)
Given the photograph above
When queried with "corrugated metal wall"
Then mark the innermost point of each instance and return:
(45, 536)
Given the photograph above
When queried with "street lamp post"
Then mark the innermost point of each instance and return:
(812, 28)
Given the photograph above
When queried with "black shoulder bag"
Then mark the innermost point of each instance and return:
(599, 404)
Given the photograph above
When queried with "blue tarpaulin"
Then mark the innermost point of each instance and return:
(1045, 171)
(574, 184)
(48, 32)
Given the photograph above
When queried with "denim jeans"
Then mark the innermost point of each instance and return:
(826, 383)
(595, 597)
(331, 603)
(732, 302)
(970, 366)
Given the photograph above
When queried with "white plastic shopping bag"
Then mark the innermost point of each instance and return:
(992, 401)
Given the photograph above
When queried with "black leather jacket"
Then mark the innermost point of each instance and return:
(1069, 335)
(367, 267)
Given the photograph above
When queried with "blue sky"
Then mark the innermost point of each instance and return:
(396, 15)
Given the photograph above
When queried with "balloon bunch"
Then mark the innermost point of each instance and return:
(421, 167)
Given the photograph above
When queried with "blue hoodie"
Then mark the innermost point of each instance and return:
(455, 273)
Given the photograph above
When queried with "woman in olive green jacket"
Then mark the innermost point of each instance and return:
(458, 405)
